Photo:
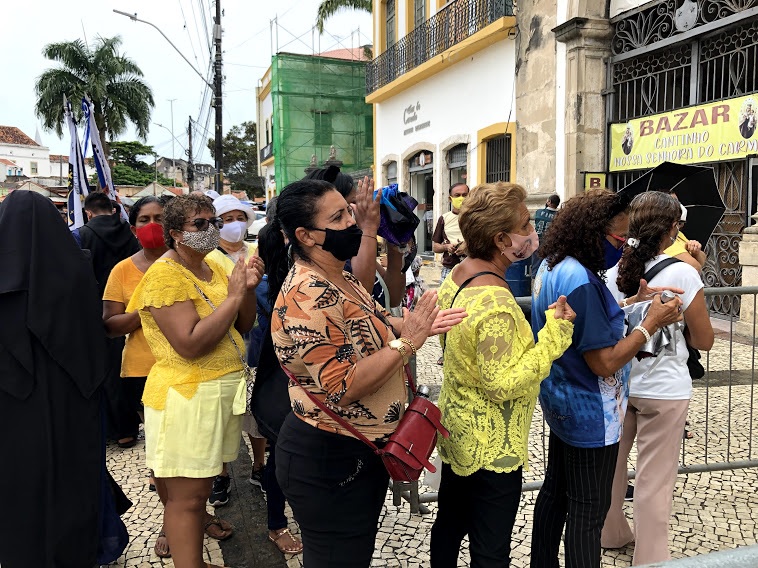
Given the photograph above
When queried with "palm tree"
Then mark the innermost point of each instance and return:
(328, 8)
(112, 81)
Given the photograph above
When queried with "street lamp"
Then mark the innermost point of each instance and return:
(215, 86)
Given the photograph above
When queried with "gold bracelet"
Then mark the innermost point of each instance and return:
(624, 302)
(370, 236)
(409, 343)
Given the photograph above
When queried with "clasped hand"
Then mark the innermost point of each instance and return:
(427, 319)
(245, 276)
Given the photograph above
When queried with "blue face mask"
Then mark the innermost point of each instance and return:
(612, 254)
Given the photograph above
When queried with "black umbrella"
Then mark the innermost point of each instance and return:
(696, 189)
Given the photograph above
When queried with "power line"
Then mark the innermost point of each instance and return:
(197, 27)
(205, 24)
(189, 35)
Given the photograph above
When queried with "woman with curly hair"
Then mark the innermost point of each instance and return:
(584, 397)
(660, 387)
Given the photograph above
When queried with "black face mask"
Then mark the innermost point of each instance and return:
(343, 244)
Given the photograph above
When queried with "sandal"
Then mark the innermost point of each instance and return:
(224, 527)
(286, 542)
(688, 435)
(440, 361)
(163, 551)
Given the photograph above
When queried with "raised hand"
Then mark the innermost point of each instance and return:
(418, 324)
(366, 208)
(254, 271)
(238, 280)
(563, 310)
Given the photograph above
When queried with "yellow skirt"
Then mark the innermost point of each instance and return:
(195, 437)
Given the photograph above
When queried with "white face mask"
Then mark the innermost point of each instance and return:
(233, 232)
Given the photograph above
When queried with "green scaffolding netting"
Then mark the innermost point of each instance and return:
(319, 102)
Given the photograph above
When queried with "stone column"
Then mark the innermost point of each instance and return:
(749, 262)
(535, 97)
(588, 43)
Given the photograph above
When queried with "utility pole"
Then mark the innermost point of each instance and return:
(219, 149)
(173, 160)
(190, 165)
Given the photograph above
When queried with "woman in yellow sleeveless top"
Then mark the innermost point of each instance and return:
(192, 315)
(492, 375)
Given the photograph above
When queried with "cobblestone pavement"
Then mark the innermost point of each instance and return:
(712, 511)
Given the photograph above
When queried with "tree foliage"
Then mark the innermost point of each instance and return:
(129, 169)
(112, 81)
(240, 158)
(328, 8)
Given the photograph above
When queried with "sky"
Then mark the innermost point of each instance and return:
(247, 45)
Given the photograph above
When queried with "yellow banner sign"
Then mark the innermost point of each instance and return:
(726, 130)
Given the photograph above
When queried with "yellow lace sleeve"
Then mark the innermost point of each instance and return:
(162, 285)
(509, 364)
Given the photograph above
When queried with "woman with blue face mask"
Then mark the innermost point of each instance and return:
(585, 395)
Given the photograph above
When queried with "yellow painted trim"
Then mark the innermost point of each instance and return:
(409, 16)
(382, 40)
(268, 161)
(441, 3)
(496, 31)
(373, 162)
(481, 150)
(264, 92)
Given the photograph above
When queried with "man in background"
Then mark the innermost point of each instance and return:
(542, 219)
(447, 238)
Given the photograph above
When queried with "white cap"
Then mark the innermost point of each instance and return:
(683, 218)
(212, 193)
(226, 203)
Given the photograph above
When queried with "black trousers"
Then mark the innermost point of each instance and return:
(336, 487)
(576, 494)
(482, 505)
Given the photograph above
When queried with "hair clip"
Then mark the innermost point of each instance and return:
(632, 242)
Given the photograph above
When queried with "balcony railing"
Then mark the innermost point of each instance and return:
(266, 151)
(451, 25)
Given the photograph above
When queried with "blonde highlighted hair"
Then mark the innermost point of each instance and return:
(489, 209)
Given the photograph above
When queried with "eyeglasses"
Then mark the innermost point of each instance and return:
(202, 223)
(622, 240)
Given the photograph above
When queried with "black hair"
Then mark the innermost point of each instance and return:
(554, 200)
(98, 202)
(452, 187)
(579, 229)
(341, 182)
(271, 209)
(269, 247)
(139, 204)
(296, 206)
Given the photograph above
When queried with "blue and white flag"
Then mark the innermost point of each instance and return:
(98, 155)
(77, 176)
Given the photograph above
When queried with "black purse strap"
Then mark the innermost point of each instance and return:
(655, 270)
(461, 287)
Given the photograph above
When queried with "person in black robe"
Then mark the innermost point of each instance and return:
(110, 241)
(52, 362)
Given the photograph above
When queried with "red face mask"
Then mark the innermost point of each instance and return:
(150, 236)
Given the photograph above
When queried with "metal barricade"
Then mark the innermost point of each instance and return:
(721, 411)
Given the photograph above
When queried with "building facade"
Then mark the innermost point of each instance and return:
(627, 84)
(312, 106)
(443, 89)
(28, 157)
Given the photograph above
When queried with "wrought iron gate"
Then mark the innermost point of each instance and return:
(653, 73)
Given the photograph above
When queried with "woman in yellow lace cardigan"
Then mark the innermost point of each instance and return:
(493, 371)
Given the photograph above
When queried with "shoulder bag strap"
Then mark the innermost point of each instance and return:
(461, 287)
(333, 415)
(655, 270)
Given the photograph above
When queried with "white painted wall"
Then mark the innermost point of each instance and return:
(23, 156)
(472, 94)
(475, 93)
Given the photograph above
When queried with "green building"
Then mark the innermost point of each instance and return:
(307, 105)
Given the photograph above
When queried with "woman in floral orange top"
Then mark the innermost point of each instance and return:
(348, 352)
